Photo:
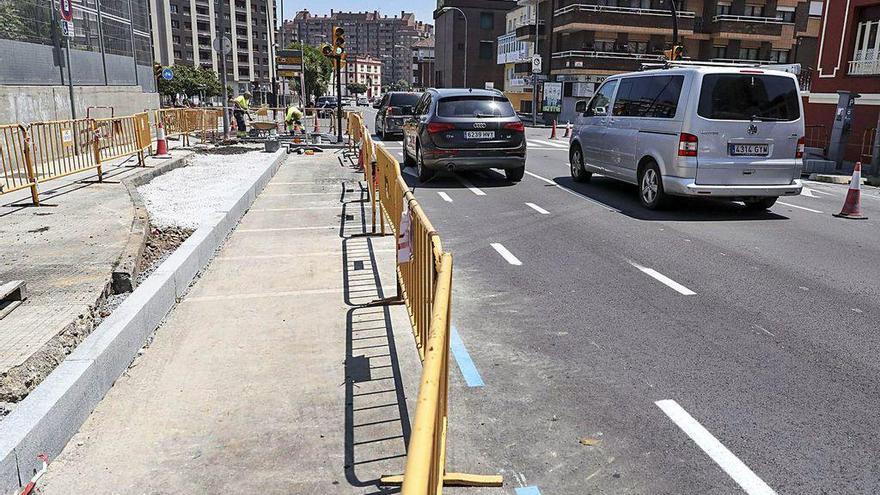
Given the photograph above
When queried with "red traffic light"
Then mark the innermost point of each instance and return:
(327, 50)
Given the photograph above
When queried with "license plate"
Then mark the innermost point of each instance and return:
(479, 134)
(748, 149)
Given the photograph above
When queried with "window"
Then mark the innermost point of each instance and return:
(173, 8)
(816, 8)
(755, 10)
(604, 45)
(638, 46)
(723, 8)
(744, 97)
(867, 41)
(177, 54)
(779, 56)
(175, 24)
(475, 106)
(175, 39)
(599, 103)
(486, 50)
(648, 96)
(719, 52)
(748, 54)
(487, 20)
(785, 14)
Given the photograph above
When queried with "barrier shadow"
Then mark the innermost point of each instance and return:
(377, 424)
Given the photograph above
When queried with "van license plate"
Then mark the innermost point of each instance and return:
(749, 149)
(479, 134)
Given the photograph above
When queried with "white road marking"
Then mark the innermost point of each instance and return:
(537, 208)
(507, 255)
(798, 207)
(466, 183)
(541, 142)
(574, 193)
(672, 284)
(445, 197)
(735, 468)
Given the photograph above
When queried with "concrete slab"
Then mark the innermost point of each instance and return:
(832, 178)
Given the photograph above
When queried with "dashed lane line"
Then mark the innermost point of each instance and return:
(573, 192)
(735, 468)
(672, 284)
(466, 183)
(507, 255)
(537, 208)
(445, 196)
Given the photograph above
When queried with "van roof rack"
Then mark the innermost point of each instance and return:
(670, 64)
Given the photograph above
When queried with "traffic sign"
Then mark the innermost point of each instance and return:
(65, 7)
(167, 74)
(536, 64)
(222, 43)
(67, 28)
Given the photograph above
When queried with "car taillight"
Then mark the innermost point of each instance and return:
(435, 127)
(515, 126)
(389, 111)
(687, 144)
(802, 142)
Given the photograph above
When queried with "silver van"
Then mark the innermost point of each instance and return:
(723, 132)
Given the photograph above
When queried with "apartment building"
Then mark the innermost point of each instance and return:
(848, 60)
(515, 48)
(183, 32)
(423, 63)
(587, 40)
(362, 70)
(368, 34)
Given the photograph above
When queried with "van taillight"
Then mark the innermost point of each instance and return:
(435, 127)
(687, 144)
(802, 142)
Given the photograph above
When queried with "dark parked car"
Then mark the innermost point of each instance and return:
(326, 105)
(389, 119)
(464, 129)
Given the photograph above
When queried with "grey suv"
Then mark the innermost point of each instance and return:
(464, 129)
(702, 131)
(394, 108)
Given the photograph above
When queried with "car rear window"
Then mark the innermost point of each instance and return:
(475, 106)
(404, 99)
(748, 97)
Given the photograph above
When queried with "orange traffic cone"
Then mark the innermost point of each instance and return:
(553, 130)
(852, 206)
(567, 130)
(161, 142)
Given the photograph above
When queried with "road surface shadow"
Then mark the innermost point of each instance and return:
(377, 425)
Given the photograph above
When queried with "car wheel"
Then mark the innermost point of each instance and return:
(651, 191)
(425, 173)
(515, 174)
(407, 160)
(576, 160)
(760, 204)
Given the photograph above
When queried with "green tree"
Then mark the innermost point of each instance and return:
(356, 88)
(190, 81)
(317, 68)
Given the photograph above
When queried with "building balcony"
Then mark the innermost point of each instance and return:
(864, 67)
(579, 17)
(526, 32)
(743, 24)
(203, 17)
(613, 61)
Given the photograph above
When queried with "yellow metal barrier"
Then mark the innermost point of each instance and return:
(122, 136)
(425, 283)
(15, 161)
(63, 147)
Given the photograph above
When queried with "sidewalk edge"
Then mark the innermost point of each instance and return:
(53, 412)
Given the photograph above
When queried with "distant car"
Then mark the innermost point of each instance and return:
(325, 105)
(734, 133)
(464, 129)
(347, 101)
(393, 108)
(362, 101)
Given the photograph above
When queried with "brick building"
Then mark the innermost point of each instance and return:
(368, 34)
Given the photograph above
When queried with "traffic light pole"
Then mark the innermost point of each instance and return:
(338, 99)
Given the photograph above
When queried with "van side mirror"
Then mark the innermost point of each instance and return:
(581, 106)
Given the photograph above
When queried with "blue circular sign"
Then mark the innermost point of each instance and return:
(167, 74)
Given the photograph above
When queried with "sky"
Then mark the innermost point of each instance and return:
(423, 9)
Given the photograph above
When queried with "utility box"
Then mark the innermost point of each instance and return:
(842, 126)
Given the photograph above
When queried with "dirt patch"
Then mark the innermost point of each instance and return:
(226, 150)
(18, 382)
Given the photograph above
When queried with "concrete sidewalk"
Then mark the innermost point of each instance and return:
(270, 375)
(64, 250)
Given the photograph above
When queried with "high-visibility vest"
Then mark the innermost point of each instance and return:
(293, 114)
(241, 102)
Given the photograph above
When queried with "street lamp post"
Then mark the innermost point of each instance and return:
(444, 9)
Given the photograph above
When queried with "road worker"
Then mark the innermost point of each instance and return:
(241, 107)
(293, 120)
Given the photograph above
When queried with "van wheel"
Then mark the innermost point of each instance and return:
(425, 173)
(515, 174)
(760, 204)
(651, 191)
(407, 160)
(576, 159)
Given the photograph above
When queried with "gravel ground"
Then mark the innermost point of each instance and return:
(183, 197)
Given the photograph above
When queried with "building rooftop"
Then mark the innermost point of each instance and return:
(424, 43)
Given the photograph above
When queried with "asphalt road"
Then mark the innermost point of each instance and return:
(703, 349)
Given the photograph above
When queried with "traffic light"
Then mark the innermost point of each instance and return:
(338, 40)
(327, 50)
(676, 53)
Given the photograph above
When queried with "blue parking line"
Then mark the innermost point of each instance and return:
(465, 364)
(528, 490)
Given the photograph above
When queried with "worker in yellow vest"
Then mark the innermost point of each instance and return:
(241, 106)
(293, 120)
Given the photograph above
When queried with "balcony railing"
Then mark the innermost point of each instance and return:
(864, 67)
(578, 59)
(749, 18)
(620, 10)
(571, 18)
